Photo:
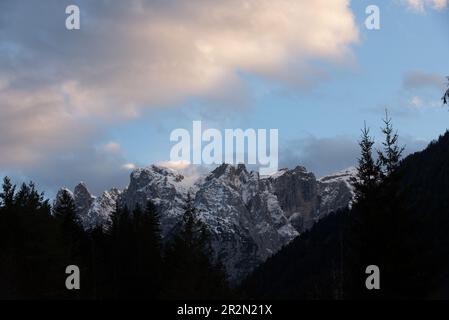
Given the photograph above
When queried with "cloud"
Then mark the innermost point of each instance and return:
(129, 166)
(422, 80)
(60, 88)
(421, 5)
(322, 156)
(420, 103)
(151, 53)
(99, 170)
(326, 155)
(34, 123)
(421, 90)
(191, 172)
(41, 140)
(112, 147)
(176, 165)
(416, 101)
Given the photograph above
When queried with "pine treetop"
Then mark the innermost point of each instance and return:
(390, 156)
(368, 175)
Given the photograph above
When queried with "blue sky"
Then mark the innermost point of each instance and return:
(116, 114)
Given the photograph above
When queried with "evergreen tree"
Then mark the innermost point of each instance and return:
(28, 199)
(136, 267)
(73, 238)
(363, 227)
(64, 212)
(123, 263)
(378, 219)
(391, 154)
(148, 251)
(191, 272)
(30, 265)
(7, 195)
(100, 275)
(368, 173)
(151, 219)
(64, 208)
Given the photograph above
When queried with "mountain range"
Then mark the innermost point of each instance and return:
(249, 217)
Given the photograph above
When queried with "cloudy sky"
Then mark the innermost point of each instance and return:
(94, 103)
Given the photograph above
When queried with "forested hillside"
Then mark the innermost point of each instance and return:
(402, 226)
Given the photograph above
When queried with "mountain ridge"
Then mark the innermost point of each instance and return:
(249, 217)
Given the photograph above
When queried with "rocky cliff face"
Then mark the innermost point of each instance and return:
(165, 187)
(305, 200)
(249, 217)
(335, 191)
(246, 220)
(297, 191)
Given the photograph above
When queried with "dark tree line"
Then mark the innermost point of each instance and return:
(123, 260)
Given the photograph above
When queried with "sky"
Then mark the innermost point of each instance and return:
(93, 104)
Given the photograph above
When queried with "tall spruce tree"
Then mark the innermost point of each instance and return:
(363, 223)
(7, 194)
(151, 219)
(368, 173)
(391, 154)
(123, 252)
(191, 272)
(148, 251)
(73, 238)
(64, 211)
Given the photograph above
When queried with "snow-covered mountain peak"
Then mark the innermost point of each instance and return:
(336, 190)
(249, 217)
(276, 174)
(81, 190)
(225, 170)
(342, 175)
(83, 200)
(156, 172)
(299, 172)
(235, 175)
(101, 209)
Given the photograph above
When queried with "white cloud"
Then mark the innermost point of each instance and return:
(112, 147)
(421, 90)
(34, 123)
(124, 59)
(416, 102)
(421, 103)
(143, 54)
(176, 165)
(129, 166)
(190, 172)
(422, 5)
